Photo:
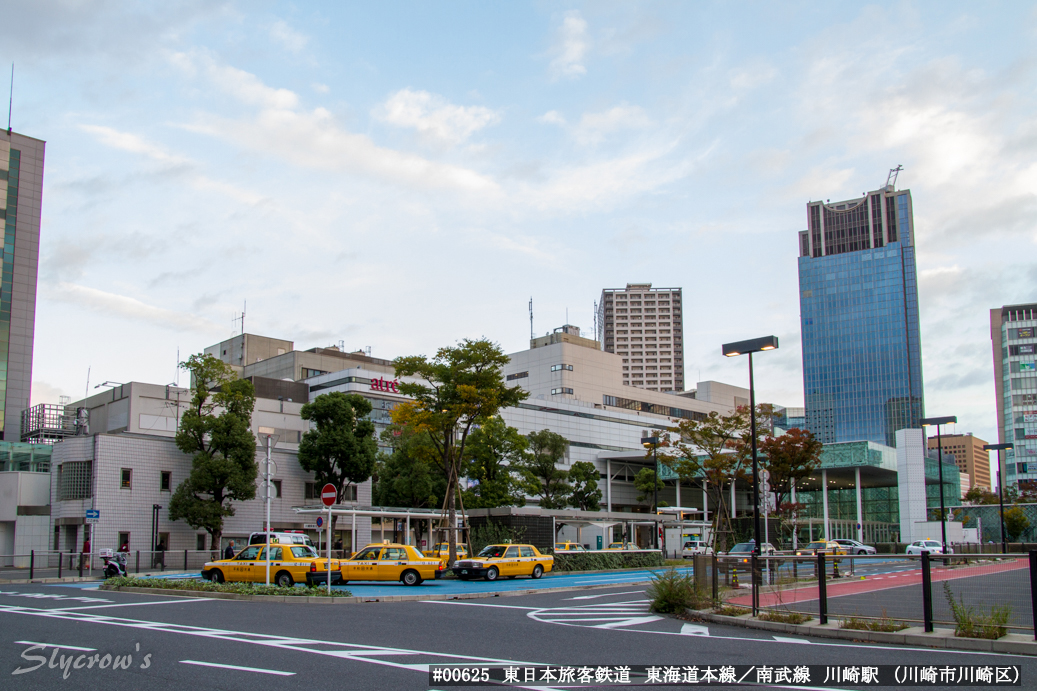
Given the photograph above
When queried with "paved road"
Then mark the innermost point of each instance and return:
(181, 643)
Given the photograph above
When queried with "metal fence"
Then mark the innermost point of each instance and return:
(58, 564)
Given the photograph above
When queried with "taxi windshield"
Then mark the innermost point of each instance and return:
(493, 551)
(817, 545)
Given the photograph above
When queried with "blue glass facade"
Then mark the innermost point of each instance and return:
(862, 365)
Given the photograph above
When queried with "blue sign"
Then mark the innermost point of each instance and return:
(93, 515)
(320, 521)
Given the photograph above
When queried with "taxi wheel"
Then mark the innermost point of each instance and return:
(410, 577)
(538, 571)
(492, 573)
(216, 576)
(284, 580)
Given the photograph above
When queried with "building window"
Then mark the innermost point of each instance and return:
(307, 372)
(199, 542)
(517, 375)
(563, 390)
(127, 478)
(124, 541)
(167, 481)
(559, 368)
(74, 480)
(277, 489)
(312, 491)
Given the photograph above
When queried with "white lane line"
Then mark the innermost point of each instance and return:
(592, 597)
(55, 645)
(782, 639)
(239, 668)
(136, 604)
(626, 622)
(473, 604)
(694, 630)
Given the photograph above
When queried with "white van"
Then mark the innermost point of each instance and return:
(281, 537)
(695, 546)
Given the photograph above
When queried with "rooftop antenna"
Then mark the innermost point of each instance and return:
(891, 179)
(566, 316)
(241, 318)
(87, 394)
(531, 319)
(177, 377)
(10, 102)
(595, 319)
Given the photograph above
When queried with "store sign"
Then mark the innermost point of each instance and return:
(1026, 367)
(1030, 417)
(382, 384)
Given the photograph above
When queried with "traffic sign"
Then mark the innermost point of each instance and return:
(93, 515)
(320, 521)
(328, 494)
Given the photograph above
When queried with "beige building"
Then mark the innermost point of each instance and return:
(262, 356)
(970, 456)
(644, 326)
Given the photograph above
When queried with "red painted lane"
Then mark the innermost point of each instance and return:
(845, 586)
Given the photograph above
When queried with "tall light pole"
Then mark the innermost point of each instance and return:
(1000, 490)
(653, 443)
(270, 439)
(748, 348)
(937, 421)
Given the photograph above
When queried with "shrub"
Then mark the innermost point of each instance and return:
(882, 624)
(731, 611)
(495, 534)
(970, 624)
(199, 585)
(599, 561)
(784, 617)
(672, 591)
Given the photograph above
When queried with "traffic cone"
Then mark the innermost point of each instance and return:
(835, 569)
(734, 578)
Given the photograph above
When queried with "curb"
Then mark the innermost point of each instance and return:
(324, 600)
(63, 579)
(1012, 643)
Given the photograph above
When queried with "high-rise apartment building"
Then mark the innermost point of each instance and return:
(1013, 331)
(970, 456)
(862, 355)
(21, 197)
(644, 325)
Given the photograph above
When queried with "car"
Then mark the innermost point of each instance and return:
(569, 547)
(281, 536)
(289, 564)
(613, 546)
(854, 547)
(390, 561)
(741, 553)
(931, 546)
(508, 560)
(695, 546)
(827, 547)
(441, 551)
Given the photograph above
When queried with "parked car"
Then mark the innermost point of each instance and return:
(284, 537)
(693, 547)
(743, 550)
(504, 560)
(930, 546)
(289, 564)
(826, 547)
(619, 546)
(569, 547)
(391, 562)
(854, 547)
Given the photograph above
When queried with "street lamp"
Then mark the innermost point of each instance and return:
(748, 348)
(267, 433)
(1000, 490)
(937, 421)
(653, 444)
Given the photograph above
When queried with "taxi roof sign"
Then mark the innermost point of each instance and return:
(328, 494)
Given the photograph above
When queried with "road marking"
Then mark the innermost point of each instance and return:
(634, 621)
(137, 604)
(694, 630)
(782, 639)
(239, 668)
(55, 645)
(591, 597)
(473, 604)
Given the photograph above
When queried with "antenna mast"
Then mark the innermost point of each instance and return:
(531, 319)
(891, 179)
(10, 102)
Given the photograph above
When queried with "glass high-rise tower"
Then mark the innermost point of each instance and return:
(862, 359)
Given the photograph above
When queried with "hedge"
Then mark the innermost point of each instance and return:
(210, 587)
(601, 561)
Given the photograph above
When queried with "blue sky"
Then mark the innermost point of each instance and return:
(404, 175)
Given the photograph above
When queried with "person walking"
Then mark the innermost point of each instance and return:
(160, 557)
(85, 554)
(228, 553)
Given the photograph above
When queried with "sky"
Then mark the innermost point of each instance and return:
(404, 175)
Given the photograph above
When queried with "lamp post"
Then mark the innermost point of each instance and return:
(748, 348)
(267, 434)
(937, 422)
(1000, 490)
(653, 444)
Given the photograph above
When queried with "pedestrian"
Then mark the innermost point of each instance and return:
(160, 556)
(228, 553)
(85, 554)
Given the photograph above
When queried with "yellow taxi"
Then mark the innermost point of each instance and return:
(508, 560)
(616, 546)
(441, 551)
(569, 547)
(826, 547)
(390, 562)
(289, 564)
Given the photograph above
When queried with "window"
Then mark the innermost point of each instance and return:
(517, 375)
(558, 368)
(127, 477)
(74, 480)
(277, 489)
(312, 491)
(307, 372)
(394, 554)
(275, 554)
(512, 552)
(124, 540)
(247, 554)
(562, 390)
(167, 481)
(527, 551)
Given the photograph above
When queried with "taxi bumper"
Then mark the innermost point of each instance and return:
(321, 577)
(470, 571)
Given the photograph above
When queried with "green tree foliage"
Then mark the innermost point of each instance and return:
(789, 459)
(407, 476)
(541, 476)
(646, 484)
(1016, 523)
(341, 448)
(492, 448)
(980, 495)
(458, 389)
(215, 431)
(583, 478)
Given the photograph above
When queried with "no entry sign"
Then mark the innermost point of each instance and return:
(328, 494)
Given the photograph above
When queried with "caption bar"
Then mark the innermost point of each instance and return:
(662, 675)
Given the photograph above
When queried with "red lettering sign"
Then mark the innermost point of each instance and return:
(381, 384)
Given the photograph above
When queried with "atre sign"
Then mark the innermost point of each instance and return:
(382, 384)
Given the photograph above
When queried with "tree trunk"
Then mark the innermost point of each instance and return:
(451, 507)
(215, 536)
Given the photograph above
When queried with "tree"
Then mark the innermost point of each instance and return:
(1016, 523)
(541, 476)
(980, 495)
(341, 448)
(459, 388)
(788, 459)
(646, 483)
(492, 448)
(215, 431)
(583, 478)
(407, 476)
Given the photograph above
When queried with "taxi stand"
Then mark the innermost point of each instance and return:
(371, 512)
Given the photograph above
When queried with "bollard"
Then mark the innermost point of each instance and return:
(1033, 591)
(61, 556)
(185, 560)
(927, 593)
(138, 561)
(822, 590)
(716, 577)
(32, 563)
(80, 564)
(754, 581)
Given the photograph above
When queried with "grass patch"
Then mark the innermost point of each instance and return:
(882, 624)
(971, 624)
(210, 587)
(673, 592)
(731, 611)
(784, 617)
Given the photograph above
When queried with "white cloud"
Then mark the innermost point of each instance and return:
(434, 116)
(125, 141)
(593, 127)
(127, 307)
(570, 48)
(752, 76)
(242, 85)
(43, 392)
(321, 88)
(288, 37)
(552, 117)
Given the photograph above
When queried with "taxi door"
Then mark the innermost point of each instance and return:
(242, 565)
(363, 566)
(391, 564)
(511, 563)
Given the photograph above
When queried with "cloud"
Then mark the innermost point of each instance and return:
(288, 37)
(752, 76)
(570, 47)
(128, 308)
(434, 116)
(552, 117)
(43, 392)
(242, 85)
(321, 88)
(593, 127)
